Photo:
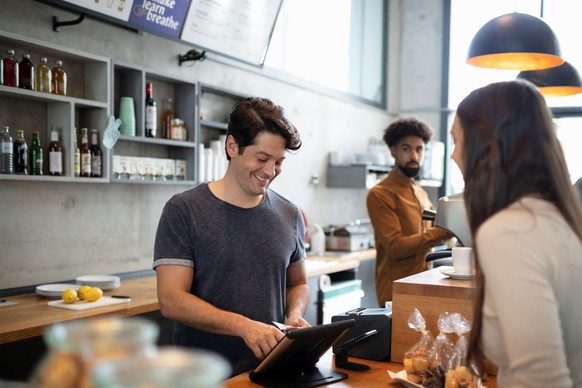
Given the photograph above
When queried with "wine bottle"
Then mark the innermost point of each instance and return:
(96, 155)
(85, 154)
(55, 150)
(151, 116)
(77, 153)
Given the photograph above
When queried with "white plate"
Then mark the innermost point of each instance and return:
(54, 290)
(401, 378)
(105, 282)
(450, 272)
(97, 279)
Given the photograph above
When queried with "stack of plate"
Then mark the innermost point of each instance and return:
(54, 290)
(104, 282)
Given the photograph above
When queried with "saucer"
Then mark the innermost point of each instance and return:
(450, 272)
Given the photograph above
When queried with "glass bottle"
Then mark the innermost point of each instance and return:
(55, 150)
(20, 153)
(85, 154)
(44, 77)
(151, 116)
(10, 70)
(36, 155)
(96, 155)
(77, 152)
(6, 152)
(167, 117)
(59, 79)
(26, 73)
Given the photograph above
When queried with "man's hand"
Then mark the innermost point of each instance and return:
(261, 338)
(298, 322)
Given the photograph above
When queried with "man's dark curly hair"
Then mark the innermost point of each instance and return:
(255, 115)
(406, 127)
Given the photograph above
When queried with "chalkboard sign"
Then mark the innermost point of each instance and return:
(240, 29)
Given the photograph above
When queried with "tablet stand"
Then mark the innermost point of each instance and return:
(341, 358)
(310, 377)
(341, 361)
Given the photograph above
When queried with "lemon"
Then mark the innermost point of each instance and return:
(69, 296)
(82, 290)
(93, 294)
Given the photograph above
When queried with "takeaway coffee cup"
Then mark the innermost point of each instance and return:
(463, 260)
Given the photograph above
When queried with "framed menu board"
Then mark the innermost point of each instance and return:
(239, 29)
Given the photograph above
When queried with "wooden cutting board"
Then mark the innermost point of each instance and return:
(84, 305)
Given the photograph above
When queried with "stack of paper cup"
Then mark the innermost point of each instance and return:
(127, 116)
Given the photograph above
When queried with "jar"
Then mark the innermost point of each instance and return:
(178, 130)
(75, 347)
(170, 367)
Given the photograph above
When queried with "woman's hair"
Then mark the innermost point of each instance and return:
(255, 115)
(510, 150)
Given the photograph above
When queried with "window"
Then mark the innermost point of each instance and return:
(339, 44)
(467, 17)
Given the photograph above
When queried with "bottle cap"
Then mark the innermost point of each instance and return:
(54, 135)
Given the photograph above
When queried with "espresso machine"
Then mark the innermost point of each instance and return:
(450, 215)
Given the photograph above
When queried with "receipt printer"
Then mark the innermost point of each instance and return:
(377, 347)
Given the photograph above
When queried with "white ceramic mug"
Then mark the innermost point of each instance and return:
(463, 260)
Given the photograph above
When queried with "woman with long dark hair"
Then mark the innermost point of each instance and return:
(526, 221)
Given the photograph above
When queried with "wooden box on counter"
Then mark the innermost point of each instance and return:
(432, 293)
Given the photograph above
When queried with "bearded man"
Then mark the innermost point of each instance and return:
(395, 207)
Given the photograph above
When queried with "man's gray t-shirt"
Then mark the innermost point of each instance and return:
(240, 257)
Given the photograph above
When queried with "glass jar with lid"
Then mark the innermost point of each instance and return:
(75, 347)
(178, 130)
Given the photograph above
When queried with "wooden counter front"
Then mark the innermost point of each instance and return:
(32, 315)
(432, 293)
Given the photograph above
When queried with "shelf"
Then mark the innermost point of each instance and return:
(153, 182)
(86, 104)
(214, 107)
(130, 81)
(360, 176)
(158, 141)
(51, 178)
(214, 125)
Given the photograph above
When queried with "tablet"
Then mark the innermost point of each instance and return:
(292, 361)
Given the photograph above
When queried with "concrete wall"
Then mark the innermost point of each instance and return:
(57, 231)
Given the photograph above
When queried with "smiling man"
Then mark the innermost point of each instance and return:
(395, 208)
(229, 254)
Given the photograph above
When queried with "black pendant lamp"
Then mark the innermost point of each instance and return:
(557, 81)
(515, 41)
